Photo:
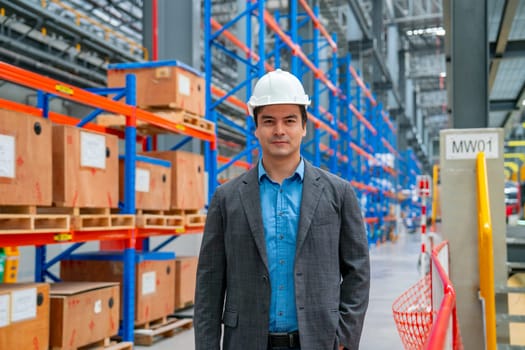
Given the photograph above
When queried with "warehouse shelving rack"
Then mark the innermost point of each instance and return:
(348, 134)
(49, 88)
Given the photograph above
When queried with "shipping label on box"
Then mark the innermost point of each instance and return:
(7, 156)
(149, 280)
(23, 304)
(92, 150)
(4, 310)
(142, 180)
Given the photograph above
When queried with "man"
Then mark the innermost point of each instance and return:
(284, 259)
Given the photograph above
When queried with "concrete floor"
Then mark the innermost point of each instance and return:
(393, 270)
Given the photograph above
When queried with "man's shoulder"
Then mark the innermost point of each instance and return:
(233, 183)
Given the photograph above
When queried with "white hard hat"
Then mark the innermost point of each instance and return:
(276, 88)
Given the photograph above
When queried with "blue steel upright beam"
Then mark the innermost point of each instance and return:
(128, 302)
(317, 90)
(210, 151)
(333, 110)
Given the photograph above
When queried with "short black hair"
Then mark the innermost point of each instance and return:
(304, 115)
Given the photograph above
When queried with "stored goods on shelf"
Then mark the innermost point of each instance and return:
(152, 183)
(162, 84)
(85, 168)
(83, 313)
(154, 278)
(25, 159)
(24, 316)
(187, 184)
(2, 264)
(185, 280)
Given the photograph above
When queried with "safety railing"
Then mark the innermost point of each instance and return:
(485, 253)
(445, 329)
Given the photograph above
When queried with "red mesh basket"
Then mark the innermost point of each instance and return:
(413, 314)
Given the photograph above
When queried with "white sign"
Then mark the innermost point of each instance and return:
(4, 310)
(467, 146)
(142, 177)
(98, 306)
(149, 282)
(92, 150)
(7, 156)
(184, 84)
(23, 304)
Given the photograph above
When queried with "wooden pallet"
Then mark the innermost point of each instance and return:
(165, 329)
(89, 219)
(27, 219)
(178, 116)
(159, 219)
(192, 217)
(104, 344)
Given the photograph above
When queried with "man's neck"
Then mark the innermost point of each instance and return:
(278, 169)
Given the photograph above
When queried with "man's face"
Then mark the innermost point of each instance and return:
(280, 131)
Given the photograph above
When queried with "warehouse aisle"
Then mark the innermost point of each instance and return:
(393, 269)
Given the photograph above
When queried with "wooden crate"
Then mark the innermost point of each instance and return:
(85, 168)
(25, 167)
(185, 281)
(152, 183)
(162, 84)
(24, 316)
(154, 278)
(83, 313)
(187, 184)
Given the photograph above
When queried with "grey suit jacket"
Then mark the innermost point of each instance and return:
(332, 271)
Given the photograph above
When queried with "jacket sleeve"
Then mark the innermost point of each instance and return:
(355, 271)
(211, 274)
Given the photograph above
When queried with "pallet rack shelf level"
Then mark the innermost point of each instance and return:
(49, 88)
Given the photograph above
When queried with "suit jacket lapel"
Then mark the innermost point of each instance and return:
(312, 189)
(251, 201)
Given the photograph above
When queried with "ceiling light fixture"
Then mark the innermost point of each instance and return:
(439, 31)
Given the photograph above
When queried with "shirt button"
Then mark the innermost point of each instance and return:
(281, 261)
(281, 191)
(280, 313)
(281, 287)
(281, 237)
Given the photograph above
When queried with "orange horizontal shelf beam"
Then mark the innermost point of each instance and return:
(231, 99)
(58, 118)
(371, 220)
(235, 41)
(44, 238)
(330, 152)
(389, 147)
(296, 51)
(362, 85)
(148, 232)
(388, 122)
(239, 163)
(363, 187)
(69, 92)
(362, 152)
(322, 125)
(318, 24)
(362, 119)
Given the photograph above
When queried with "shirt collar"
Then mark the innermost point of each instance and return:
(299, 171)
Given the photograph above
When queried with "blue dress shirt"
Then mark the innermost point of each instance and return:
(281, 206)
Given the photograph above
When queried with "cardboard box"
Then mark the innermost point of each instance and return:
(185, 281)
(85, 168)
(187, 183)
(24, 316)
(25, 164)
(152, 183)
(154, 278)
(83, 313)
(162, 84)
